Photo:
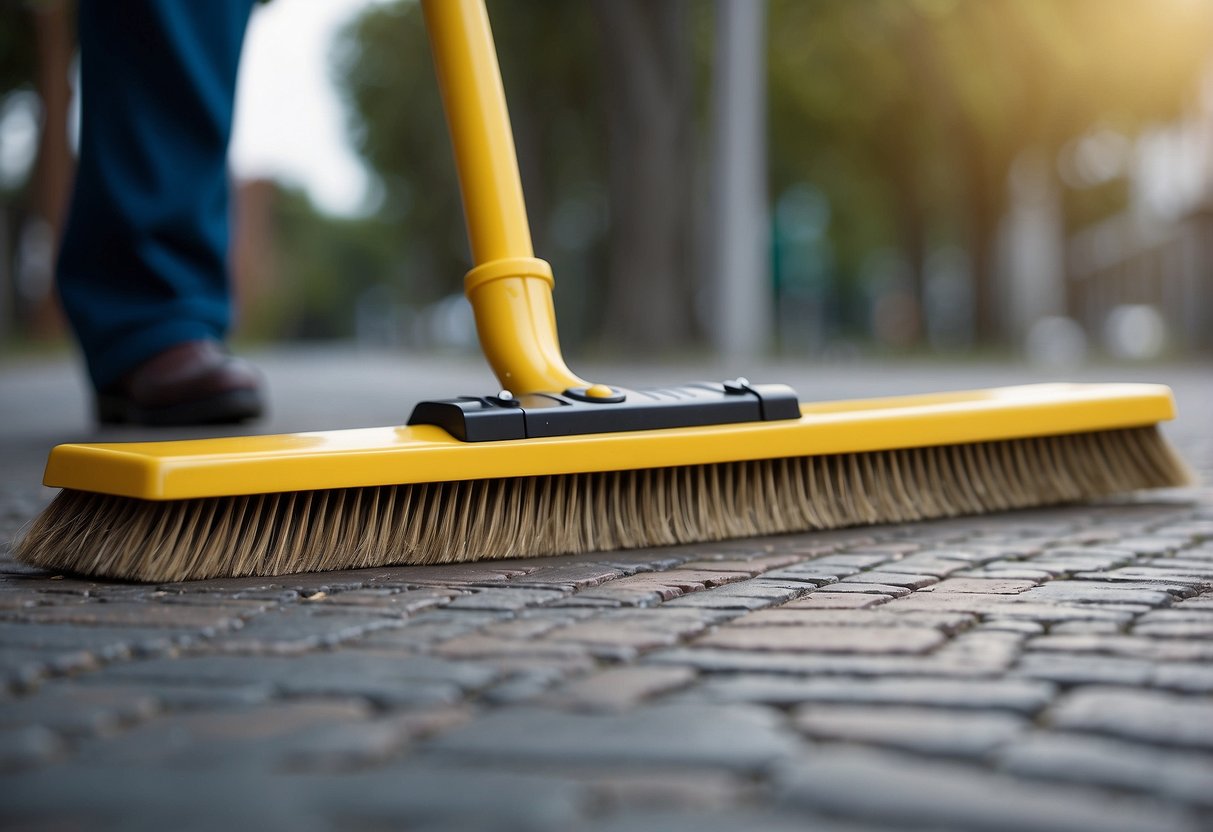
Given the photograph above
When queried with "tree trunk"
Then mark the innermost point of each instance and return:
(983, 216)
(648, 303)
(985, 184)
(53, 169)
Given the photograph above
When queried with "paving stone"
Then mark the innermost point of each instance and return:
(614, 633)
(424, 796)
(634, 561)
(580, 601)
(527, 677)
(478, 645)
(1139, 647)
(1190, 530)
(484, 572)
(1090, 592)
(430, 797)
(896, 548)
(433, 627)
(919, 730)
(1204, 602)
(1009, 606)
(118, 613)
(1038, 569)
(814, 573)
(183, 696)
(1196, 567)
(303, 583)
(876, 589)
(23, 668)
(738, 737)
(615, 594)
(903, 580)
(794, 615)
(890, 789)
(668, 619)
(1175, 629)
(1102, 557)
(983, 586)
(107, 643)
(825, 639)
(751, 566)
(994, 572)
(1016, 625)
(712, 660)
(525, 628)
(505, 598)
(567, 572)
(1165, 580)
(965, 602)
(698, 816)
(387, 678)
(1016, 695)
(1181, 776)
(922, 563)
(971, 554)
(862, 560)
(1144, 716)
(299, 629)
(78, 710)
(25, 746)
(668, 584)
(550, 613)
(350, 744)
(991, 651)
(1087, 628)
(752, 594)
(390, 601)
(1076, 669)
(14, 602)
(238, 737)
(1152, 545)
(1184, 678)
(619, 688)
(826, 600)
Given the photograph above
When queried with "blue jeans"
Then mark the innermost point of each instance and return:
(143, 262)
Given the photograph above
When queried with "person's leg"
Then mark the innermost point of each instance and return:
(143, 263)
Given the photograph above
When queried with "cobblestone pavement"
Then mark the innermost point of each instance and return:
(1047, 669)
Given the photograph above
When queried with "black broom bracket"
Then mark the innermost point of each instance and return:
(607, 409)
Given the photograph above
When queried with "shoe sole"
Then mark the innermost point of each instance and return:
(221, 409)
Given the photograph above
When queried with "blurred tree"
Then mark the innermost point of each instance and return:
(648, 74)
(600, 98)
(383, 66)
(322, 267)
(910, 114)
(36, 48)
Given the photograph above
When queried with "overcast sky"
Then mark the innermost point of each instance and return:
(290, 124)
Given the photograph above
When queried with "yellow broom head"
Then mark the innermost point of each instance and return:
(577, 494)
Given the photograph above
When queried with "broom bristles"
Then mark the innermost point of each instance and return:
(272, 534)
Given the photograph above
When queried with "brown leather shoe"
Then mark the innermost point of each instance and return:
(193, 383)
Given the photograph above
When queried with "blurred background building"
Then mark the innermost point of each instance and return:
(809, 179)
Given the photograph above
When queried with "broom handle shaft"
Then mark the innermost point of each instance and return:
(509, 288)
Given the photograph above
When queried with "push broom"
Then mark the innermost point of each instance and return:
(554, 464)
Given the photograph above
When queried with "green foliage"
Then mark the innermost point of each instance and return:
(325, 265)
(384, 67)
(938, 97)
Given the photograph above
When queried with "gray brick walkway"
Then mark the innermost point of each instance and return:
(1036, 670)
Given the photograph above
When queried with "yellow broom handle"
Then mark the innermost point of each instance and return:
(509, 288)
